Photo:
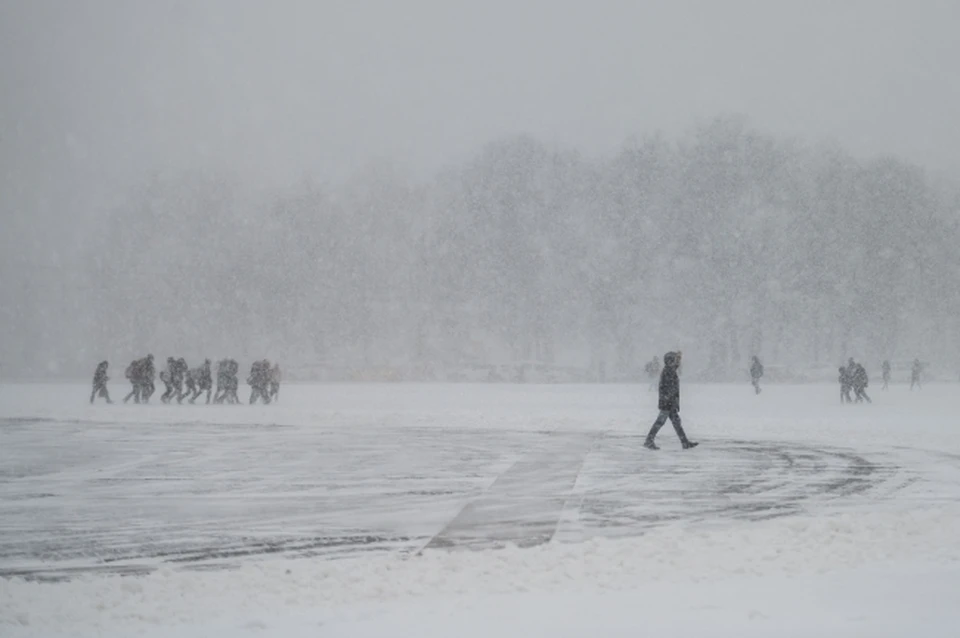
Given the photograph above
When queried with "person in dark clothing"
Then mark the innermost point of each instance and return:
(845, 386)
(218, 396)
(147, 375)
(915, 372)
(669, 403)
(275, 378)
(230, 382)
(200, 379)
(653, 371)
(886, 374)
(860, 382)
(227, 382)
(756, 371)
(259, 381)
(179, 376)
(233, 382)
(206, 379)
(134, 375)
(166, 376)
(190, 383)
(100, 379)
(252, 381)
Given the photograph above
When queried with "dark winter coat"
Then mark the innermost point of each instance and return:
(670, 384)
(100, 376)
(147, 370)
(204, 378)
(259, 374)
(860, 378)
(756, 370)
(179, 372)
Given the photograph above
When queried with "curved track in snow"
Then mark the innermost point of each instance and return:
(84, 497)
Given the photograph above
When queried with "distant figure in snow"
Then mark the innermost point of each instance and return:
(131, 374)
(134, 373)
(180, 378)
(218, 396)
(230, 382)
(275, 378)
(846, 384)
(233, 381)
(756, 371)
(915, 372)
(100, 379)
(227, 382)
(259, 381)
(190, 379)
(653, 371)
(200, 380)
(669, 403)
(147, 374)
(166, 375)
(886, 374)
(860, 381)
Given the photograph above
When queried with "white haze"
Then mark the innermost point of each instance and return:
(371, 183)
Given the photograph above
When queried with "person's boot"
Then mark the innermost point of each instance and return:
(652, 434)
(689, 444)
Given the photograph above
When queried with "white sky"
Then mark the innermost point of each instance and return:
(98, 92)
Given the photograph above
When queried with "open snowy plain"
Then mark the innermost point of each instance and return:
(481, 510)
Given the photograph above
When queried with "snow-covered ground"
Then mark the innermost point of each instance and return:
(480, 510)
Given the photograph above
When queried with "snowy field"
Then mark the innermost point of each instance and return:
(481, 510)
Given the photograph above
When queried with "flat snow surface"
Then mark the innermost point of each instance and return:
(481, 510)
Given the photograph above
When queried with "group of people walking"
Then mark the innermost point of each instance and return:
(854, 377)
(183, 382)
(264, 380)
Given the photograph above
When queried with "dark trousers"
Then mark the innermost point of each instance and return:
(178, 388)
(199, 391)
(227, 393)
(674, 417)
(134, 394)
(166, 396)
(259, 391)
(100, 390)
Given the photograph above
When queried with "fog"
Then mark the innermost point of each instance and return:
(356, 185)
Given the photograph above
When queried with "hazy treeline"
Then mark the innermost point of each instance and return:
(725, 243)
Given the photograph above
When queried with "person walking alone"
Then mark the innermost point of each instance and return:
(756, 371)
(669, 403)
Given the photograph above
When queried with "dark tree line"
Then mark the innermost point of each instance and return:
(724, 244)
